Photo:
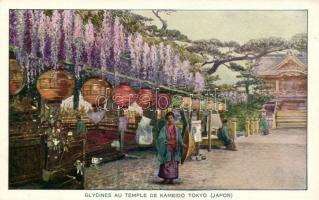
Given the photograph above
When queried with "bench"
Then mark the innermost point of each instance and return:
(215, 142)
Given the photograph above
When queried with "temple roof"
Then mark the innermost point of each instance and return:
(276, 64)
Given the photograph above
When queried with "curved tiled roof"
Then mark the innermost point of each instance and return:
(268, 63)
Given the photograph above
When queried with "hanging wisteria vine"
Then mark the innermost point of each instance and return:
(65, 37)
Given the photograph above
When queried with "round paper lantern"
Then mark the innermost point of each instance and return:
(96, 91)
(221, 106)
(210, 105)
(163, 101)
(124, 95)
(203, 105)
(16, 77)
(55, 85)
(145, 98)
(187, 102)
(177, 101)
(195, 104)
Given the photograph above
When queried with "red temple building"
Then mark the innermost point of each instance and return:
(286, 78)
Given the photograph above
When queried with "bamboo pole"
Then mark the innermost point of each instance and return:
(209, 130)
(274, 125)
(233, 128)
(257, 125)
(251, 120)
(198, 143)
(247, 127)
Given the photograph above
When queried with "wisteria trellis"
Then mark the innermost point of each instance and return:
(65, 37)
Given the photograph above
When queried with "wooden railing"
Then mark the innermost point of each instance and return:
(251, 126)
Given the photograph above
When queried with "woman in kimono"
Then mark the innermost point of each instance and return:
(264, 125)
(170, 148)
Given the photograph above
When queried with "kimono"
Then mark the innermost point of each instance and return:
(223, 134)
(80, 129)
(264, 126)
(169, 147)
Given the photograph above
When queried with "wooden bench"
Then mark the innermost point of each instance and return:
(215, 142)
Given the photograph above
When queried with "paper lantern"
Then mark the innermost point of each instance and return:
(221, 106)
(96, 91)
(55, 85)
(195, 104)
(210, 105)
(16, 77)
(203, 105)
(124, 95)
(187, 102)
(145, 98)
(177, 101)
(163, 101)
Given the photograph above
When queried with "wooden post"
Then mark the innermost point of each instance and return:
(257, 125)
(252, 124)
(209, 130)
(197, 144)
(274, 125)
(233, 128)
(247, 127)
(251, 120)
(277, 87)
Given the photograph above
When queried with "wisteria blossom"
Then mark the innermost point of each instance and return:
(199, 82)
(68, 20)
(235, 97)
(106, 43)
(154, 63)
(118, 43)
(89, 41)
(78, 40)
(55, 34)
(45, 40)
(146, 62)
(13, 28)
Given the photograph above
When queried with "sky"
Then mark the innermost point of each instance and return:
(239, 26)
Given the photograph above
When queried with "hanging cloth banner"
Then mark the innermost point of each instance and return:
(134, 107)
(196, 130)
(216, 122)
(96, 117)
(144, 134)
(123, 123)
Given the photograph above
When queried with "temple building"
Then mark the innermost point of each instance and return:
(286, 78)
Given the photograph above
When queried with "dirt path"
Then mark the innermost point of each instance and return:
(276, 161)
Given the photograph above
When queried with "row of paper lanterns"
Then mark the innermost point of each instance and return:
(58, 84)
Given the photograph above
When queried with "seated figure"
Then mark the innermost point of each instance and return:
(223, 134)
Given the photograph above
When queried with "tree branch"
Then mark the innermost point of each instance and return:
(217, 63)
(164, 23)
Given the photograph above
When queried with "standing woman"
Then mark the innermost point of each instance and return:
(264, 124)
(170, 148)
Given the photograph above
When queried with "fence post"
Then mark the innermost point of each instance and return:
(251, 120)
(274, 120)
(247, 127)
(233, 128)
(209, 131)
(254, 125)
(257, 125)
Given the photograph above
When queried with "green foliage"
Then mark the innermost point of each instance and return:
(210, 82)
(216, 52)
(48, 12)
(299, 42)
(236, 67)
(226, 88)
(243, 111)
